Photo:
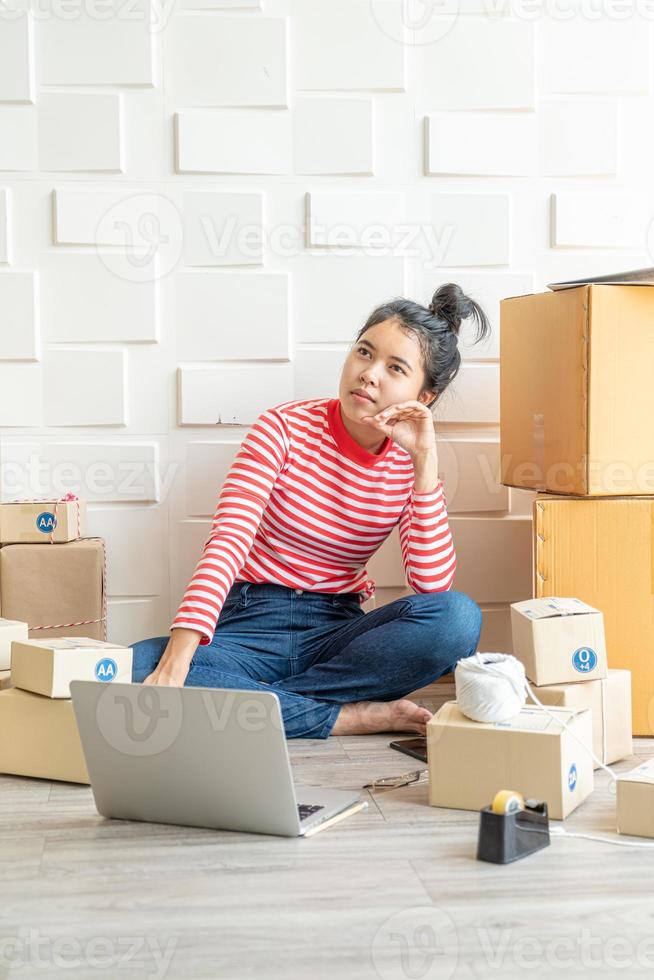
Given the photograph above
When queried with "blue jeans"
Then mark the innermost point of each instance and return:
(320, 650)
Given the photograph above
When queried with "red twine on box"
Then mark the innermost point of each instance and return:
(56, 502)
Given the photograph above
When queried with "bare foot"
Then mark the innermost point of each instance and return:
(368, 717)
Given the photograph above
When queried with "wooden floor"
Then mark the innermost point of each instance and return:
(393, 892)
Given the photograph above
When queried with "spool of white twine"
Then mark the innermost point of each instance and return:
(490, 687)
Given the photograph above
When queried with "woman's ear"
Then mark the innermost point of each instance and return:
(428, 398)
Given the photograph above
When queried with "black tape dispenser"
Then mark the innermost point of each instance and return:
(511, 828)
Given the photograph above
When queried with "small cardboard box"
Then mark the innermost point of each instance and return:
(635, 801)
(609, 700)
(558, 640)
(48, 666)
(54, 585)
(5, 679)
(469, 762)
(601, 550)
(576, 393)
(39, 737)
(10, 630)
(48, 521)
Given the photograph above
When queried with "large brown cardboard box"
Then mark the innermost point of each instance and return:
(532, 754)
(558, 639)
(609, 700)
(55, 584)
(635, 801)
(39, 737)
(43, 522)
(48, 666)
(601, 551)
(576, 392)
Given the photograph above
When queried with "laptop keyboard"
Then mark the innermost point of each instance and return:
(307, 810)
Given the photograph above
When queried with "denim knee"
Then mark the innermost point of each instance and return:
(459, 621)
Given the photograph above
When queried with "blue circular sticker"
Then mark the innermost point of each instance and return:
(572, 777)
(584, 660)
(106, 669)
(46, 522)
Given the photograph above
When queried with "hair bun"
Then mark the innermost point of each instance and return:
(449, 303)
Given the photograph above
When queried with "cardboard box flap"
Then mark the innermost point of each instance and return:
(641, 774)
(635, 277)
(530, 719)
(550, 606)
(73, 643)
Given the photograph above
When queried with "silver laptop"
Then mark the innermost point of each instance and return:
(199, 757)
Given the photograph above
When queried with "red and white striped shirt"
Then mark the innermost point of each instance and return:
(305, 506)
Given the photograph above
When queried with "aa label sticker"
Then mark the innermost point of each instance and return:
(572, 777)
(46, 522)
(106, 669)
(584, 660)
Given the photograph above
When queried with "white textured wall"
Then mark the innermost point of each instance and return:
(200, 202)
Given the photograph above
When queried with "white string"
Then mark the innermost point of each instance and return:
(480, 694)
(560, 832)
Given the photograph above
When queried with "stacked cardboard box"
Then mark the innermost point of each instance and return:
(51, 577)
(38, 731)
(562, 647)
(576, 400)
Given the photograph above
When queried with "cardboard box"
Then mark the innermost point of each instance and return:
(558, 639)
(635, 801)
(48, 666)
(576, 396)
(24, 522)
(601, 551)
(10, 630)
(609, 700)
(39, 737)
(54, 585)
(469, 762)
(5, 679)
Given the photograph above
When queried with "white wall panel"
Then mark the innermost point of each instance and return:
(598, 54)
(18, 312)
(493, 143)
(317, 372)
(21, 399)
(579, 138)
(18, 144)
(231, 395)
(473, 396)
(493, 557)
(84, 387)
(207, 465)
(80, 132)
(232, 316)
(223, 228)
(227, 61)
(132, 620)
(471, 229)
(231, 141)
(100, 472)
(346, 218)
(136, 539)
(480, 63)
(340, 44)
(5, 225)
(597, 220)
(83, 300)
(333, 295)
(470, 471)
(16, 55)
(333, 136)
(112, 49)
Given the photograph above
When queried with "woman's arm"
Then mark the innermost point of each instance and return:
(425, 536)
(176, 659)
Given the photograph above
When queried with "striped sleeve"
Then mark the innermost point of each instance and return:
(426, 541)
(241, 503)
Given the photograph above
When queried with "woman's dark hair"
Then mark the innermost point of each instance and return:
(437, 328)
